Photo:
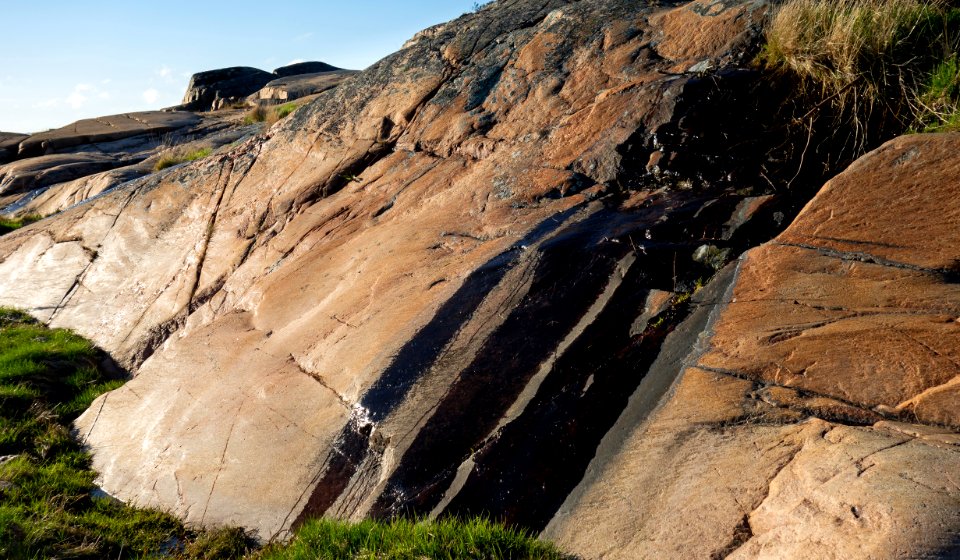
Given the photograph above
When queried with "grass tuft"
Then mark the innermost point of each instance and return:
(255, 115)
(269, 115)
(178, 156)
(871, 59)
(403, 539)
(938, 101)
(9, 224)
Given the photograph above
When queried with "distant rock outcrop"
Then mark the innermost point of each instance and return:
(84, 148)
(9, 145)
(295, 87)
(55, 169)
(300, 68)
(214, 89)
(113, 128)
(207, 88)
(463, 282)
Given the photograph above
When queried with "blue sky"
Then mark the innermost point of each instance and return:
(66, 60)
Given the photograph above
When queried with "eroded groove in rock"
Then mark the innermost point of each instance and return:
(412, 361)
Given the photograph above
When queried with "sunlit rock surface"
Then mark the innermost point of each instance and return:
(463, 282)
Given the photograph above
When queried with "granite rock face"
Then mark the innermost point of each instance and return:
(816, 416)
(462, 282)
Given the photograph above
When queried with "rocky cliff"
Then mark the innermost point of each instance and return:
(480, 277)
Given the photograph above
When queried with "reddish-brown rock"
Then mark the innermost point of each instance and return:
(849, 316)
(460, 283)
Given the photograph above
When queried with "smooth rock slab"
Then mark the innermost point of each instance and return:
(859, 299)
(105, 129)
(43, 171)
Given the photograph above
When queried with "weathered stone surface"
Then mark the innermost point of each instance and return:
(64, 195)
(300, 68)
(205, 88)
(864, 290)
(479, 153)
(9, 144)
(105, 129)
(297, 86)
(46, 184)
(459, 283)
(849, 316)
(35, 173)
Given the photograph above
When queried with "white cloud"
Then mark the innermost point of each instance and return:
(295, 61)
(164, 72)
(77, 99)
(104, 95)
(151, 96)
(46, 104)
(105, 81)
(303, 37)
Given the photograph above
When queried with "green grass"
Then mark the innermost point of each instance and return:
(285, 109)
(403, 539)
(176, 157)
(939, 99)
(47, 505)
(9, 224)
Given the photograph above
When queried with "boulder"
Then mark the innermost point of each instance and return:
(206, 88)
(300, 68)
(295, 87)
(9, 144)
(455, 284)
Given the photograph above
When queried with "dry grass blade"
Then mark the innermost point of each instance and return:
(869, 58)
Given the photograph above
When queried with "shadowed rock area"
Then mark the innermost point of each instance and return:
(480, 277)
